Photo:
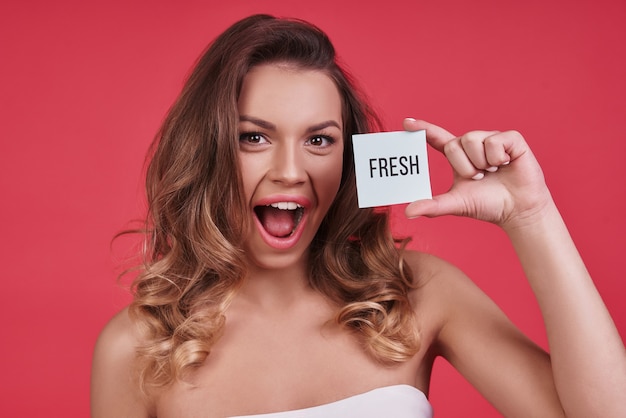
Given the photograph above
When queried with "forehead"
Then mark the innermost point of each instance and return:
(280, 92)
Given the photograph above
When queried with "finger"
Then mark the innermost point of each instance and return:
(436, 136)
(443, 204)
(473, 144)
(460, 161)
(503, 147)
(411, 125)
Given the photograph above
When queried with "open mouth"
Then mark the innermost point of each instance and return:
(280, 219)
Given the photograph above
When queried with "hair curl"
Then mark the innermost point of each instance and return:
(193, 257)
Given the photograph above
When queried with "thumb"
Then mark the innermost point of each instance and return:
(443, 204)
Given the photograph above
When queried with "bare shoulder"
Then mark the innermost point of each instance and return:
(435, 273)
(441, 287)
(442, 290)
(476, 337)
(114, 388)
(445, 293)
(119, 333)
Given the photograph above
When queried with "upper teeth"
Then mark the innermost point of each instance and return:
(285, 205)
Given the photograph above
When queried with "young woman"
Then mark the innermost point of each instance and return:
(265, 290)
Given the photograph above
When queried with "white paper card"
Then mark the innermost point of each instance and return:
(391, 168)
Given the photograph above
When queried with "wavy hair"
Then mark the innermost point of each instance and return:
(194, 230)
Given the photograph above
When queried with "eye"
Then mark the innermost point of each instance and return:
(321, 141)
(252, 138)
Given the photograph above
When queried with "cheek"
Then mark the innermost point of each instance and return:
(249, 173)
(330, 178)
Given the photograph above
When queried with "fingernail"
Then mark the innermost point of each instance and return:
(507, 163)
(492, 169)
(478, 176)
(410, 119)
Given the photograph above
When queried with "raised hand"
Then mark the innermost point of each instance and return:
(496, 177)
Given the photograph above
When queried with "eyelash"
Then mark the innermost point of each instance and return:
(247, 137)
(327, 138)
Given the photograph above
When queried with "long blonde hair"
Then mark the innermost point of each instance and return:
(193, 258)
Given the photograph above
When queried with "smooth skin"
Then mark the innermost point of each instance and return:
(279, 352)
(588, 359)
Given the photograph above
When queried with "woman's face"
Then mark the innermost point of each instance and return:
(290, 154)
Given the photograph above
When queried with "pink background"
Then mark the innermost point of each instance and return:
(85, 85)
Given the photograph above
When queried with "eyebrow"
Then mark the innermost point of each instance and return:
(270, 126)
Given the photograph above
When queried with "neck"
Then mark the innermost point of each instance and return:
(275, 288)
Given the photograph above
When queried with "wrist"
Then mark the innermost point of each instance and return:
(540, 217)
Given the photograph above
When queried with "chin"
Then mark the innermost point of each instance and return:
(271, 260)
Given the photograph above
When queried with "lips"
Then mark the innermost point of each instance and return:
(281, 219)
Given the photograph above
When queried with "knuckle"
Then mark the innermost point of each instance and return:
(452, 147)
(515, 134)
(471, 137)
(491, 141)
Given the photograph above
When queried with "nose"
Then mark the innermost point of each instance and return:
(288, 164)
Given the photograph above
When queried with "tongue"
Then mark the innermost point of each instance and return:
(276, 222)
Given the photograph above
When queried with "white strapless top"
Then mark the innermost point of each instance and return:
(398, 401)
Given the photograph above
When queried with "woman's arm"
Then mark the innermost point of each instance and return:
(588, 356)
(497, 179)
